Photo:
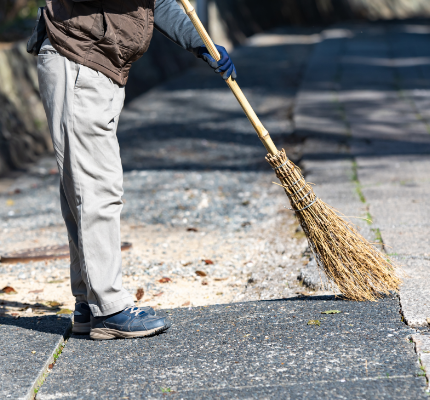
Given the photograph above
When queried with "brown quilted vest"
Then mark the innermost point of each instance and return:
(105, 35)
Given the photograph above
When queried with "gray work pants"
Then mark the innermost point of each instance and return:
(82, 107)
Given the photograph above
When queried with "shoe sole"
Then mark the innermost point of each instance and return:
(108, 334)
(84, 328)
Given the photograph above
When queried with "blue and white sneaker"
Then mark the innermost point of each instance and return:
(132, 322)
(82, 319)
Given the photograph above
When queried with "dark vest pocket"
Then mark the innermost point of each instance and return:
(122, 38)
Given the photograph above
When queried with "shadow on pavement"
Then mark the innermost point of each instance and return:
(45, 323)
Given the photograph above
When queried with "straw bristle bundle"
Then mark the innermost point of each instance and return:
(360, 271)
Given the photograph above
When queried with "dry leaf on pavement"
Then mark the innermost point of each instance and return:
(139, 294)
(65, 311)
(9, 290)
(53, 304)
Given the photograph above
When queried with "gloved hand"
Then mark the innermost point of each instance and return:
(224, 65)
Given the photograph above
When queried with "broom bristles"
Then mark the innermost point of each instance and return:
(360, 271)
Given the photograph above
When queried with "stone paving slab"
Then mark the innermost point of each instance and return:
(27, 346)
(422, 347)
(251, 350)
(416, 291)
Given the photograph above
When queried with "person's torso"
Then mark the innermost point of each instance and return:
(107, 35)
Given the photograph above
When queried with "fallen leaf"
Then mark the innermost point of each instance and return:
(53, 304)
(248, 334)
(158, 294)
(50, 366)
(201, 273)
(245, 224)
(192, 229)
(331, 312)
(314, 322)
(205, 283)
(36, 291)
(220, 279)
(56, 281)
(9, 290)
(219, 293)
(10, 202)
(139, 294)
(164, 279)
(208, 262)
(187, 303)
(33, 352)
(64, 311)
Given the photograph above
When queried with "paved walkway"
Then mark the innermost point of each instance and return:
(362, 108)
(27, 348)
(360, 128)
(253, 350)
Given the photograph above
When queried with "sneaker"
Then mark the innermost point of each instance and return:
(132, 322)
(82, 319)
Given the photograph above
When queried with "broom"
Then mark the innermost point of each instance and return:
(360, 271)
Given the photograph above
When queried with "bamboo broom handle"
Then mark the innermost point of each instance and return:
(262, 132)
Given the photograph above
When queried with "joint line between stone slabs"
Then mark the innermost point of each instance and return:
(40, 379)
(298, 383)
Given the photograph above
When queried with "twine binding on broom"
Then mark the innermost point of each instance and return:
(360, 271)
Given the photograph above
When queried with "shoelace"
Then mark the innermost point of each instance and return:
(136, 311)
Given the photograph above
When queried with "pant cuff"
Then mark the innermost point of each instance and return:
(111, 308)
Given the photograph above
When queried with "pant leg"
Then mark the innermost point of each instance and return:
(79, 289)
(82, 108)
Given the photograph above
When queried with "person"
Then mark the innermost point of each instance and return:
(83, 66)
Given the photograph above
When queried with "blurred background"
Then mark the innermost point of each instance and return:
(23, 130)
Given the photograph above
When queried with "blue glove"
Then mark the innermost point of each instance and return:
(225, 65)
